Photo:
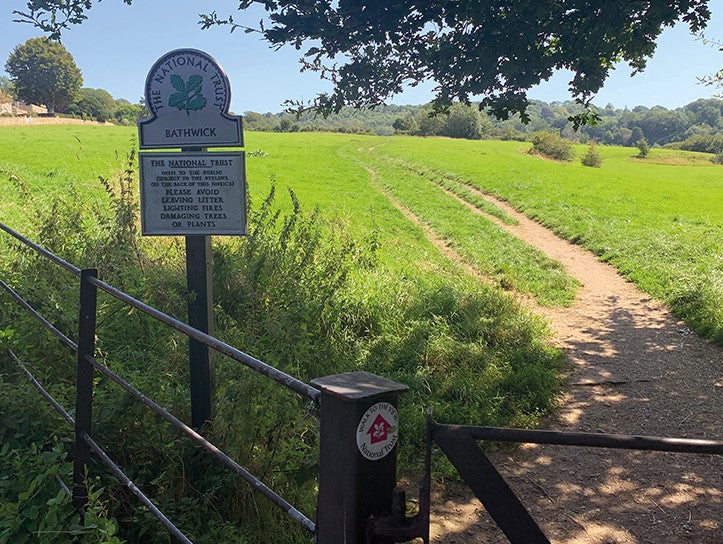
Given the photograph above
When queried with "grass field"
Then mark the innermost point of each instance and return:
(398, 278)
(659, 220)
(362, 289)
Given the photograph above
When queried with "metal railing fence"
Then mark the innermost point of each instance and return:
(84, 348)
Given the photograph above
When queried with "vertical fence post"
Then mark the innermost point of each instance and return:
(84, 384)
(358, 455)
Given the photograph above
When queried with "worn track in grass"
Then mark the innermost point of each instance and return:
(634, 369)
(433, 238)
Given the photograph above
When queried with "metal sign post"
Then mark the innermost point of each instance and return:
(199, 281)
(194, 193)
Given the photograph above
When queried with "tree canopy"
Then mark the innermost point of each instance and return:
(43, 72)
(496, 49)
(96, 103)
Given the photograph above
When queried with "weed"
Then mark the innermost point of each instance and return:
(591, 157)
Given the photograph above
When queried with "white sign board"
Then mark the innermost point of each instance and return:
(193, 193)
(188, 95)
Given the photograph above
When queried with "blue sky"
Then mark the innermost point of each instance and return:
(118, 44)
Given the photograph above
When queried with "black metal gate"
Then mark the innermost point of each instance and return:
(459, 444)
(352, 488)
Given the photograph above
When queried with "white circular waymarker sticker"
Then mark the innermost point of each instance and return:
(376, 434)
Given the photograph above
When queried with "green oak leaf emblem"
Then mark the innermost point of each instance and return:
(188, 95)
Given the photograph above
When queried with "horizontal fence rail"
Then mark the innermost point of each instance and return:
(460, 444)
(593, 440)
(115, 469)
(280, 377)
(44, 322)
(222, 347)
(269, 371)
(126, 481)
(55, 404)
(44, 252)
(209, 447)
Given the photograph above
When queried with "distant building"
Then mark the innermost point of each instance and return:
(33, 108)
(20, 108)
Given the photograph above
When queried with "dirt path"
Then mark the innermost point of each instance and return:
(634, 369)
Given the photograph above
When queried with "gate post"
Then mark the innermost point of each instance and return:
(358, 455)
(84, 384)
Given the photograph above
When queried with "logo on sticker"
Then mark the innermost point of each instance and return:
(376, 434)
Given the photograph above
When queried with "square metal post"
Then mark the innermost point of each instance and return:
(199, 278)
(358, 455)
(84, 384)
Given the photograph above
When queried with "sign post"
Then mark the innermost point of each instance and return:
(199, 282)
(193, 193)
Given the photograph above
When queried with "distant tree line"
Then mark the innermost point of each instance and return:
(697, 126)
(44, 72)
(100, 105)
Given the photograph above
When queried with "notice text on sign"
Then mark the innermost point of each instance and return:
(193, 194)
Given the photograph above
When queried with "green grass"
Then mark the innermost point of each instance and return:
(360, 289)
(49, 159)
(404, 310)
(510, 262)
(659, 221)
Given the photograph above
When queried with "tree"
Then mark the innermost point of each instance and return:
(497, 49)
(592, 157)
(463, 122)
(429, 124)
(44, 72)
(97, 103)
(636, 135)
(643, 148)
(6, 86)
(255, 121)
(128, 114)
(708, 112)
(405, 124)
(286, 125)
(551, 145)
